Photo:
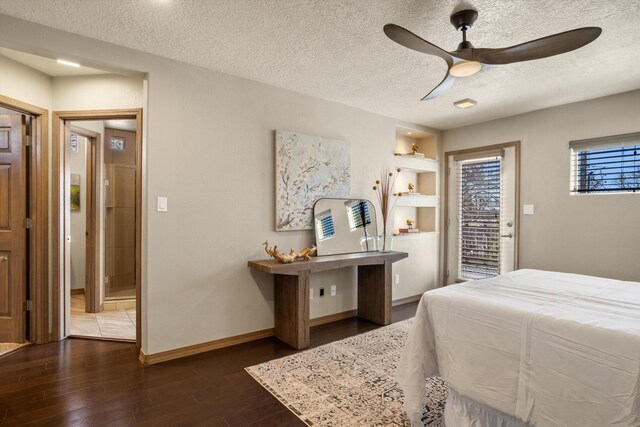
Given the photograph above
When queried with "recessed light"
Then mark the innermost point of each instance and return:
(408, 133)
(69, 63)
(465, 103)
(465, 68)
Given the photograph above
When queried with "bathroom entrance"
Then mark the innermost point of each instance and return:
(100, 212)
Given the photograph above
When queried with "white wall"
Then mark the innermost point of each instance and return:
(20, 82)
(588, 234)
(210, 150)
(78, 219)
(94, 92)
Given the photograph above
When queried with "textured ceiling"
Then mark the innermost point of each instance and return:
(336, 50)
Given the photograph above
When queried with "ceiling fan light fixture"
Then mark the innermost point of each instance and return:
(465, 103)
(465, 68)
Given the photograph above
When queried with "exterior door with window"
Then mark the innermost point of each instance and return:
(12, 228)
(482, 214)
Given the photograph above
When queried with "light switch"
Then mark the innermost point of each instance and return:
(527, 209)
(162, 204)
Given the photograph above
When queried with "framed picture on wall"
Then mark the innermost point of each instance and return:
(73, 142)
(74, 197)
(117, 143)
(308, 168)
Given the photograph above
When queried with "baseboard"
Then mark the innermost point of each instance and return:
(151, 359)
(407, 300)
(79, 291)
(332, 318)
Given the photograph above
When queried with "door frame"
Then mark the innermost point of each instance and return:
(516, 231)
(38, 240)
(91, 289)
(58, 203)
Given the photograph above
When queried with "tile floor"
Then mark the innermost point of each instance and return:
(120, 324)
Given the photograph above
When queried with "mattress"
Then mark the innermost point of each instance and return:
(551, 349)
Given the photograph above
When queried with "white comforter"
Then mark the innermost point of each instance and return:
(552, 349)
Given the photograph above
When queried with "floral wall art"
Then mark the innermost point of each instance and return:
(308, 168)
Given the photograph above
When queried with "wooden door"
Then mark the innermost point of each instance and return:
(120, 216)
(12, 229)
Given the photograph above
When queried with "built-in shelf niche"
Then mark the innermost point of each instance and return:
(427, 144)
(422, 172)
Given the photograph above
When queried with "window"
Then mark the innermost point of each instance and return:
(606, 165)
(480, 195)
(117, 143)
(358, 214)
(324, 223)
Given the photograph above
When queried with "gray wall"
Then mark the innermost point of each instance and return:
(589, 234)
(209, 149)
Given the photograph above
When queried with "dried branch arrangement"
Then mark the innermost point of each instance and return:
(384, 191)
(304, 254)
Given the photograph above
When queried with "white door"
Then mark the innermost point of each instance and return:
(482, 194)
(66, 288)
(509, 212)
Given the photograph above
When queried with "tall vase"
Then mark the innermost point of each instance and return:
(368, 243)
(385, 242)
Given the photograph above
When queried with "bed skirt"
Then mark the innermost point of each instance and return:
(460, 411)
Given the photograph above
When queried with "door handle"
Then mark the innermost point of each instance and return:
(3, 259)
(510, 235)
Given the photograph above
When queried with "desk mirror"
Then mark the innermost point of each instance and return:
(344, 226)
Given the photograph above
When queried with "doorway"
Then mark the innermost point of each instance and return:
(98, 222)
(481, 212)
(23, 225)
(14, 188)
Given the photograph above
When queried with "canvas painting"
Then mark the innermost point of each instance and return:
(74, 197)
(308, 168)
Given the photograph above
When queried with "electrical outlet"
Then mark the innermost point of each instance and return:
(397, 279)
(321, 292)
(311, 293)
(333, 290)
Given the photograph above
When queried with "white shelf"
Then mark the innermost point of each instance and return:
(410, 163)
(417, 201)
(415, 235)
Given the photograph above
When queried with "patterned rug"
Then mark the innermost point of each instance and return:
(8, 347)
(349, 382)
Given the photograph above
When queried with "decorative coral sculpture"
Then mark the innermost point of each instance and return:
(304, 254)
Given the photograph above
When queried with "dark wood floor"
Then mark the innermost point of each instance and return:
(84, 382)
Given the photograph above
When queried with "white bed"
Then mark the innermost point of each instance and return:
(529, 348)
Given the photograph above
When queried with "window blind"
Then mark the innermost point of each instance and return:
(358, 212)
(609, 164)
(325, 222)
(479, 184)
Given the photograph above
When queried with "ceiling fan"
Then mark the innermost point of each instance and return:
(467, 60)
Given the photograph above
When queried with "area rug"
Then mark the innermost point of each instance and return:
(349, 382)
(8, 347)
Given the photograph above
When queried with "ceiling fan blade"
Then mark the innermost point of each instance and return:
(444, 85)
(407, 39)
(539, 48)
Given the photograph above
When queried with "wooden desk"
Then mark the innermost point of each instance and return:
(291, 289)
